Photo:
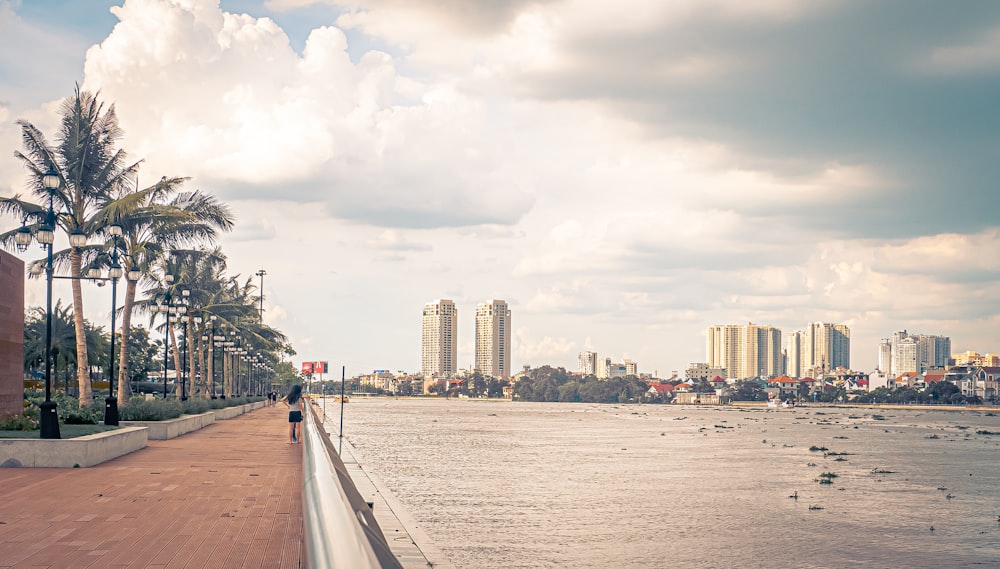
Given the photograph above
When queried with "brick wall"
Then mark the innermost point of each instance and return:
(11, 334)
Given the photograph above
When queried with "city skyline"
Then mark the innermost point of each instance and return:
(624, 175)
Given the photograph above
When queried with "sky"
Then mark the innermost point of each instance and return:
(624, 174)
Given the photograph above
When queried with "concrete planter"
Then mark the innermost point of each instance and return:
(173, 428)
(68, 453)
(230, 412)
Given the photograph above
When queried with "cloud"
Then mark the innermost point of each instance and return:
(546, 349)
(241, 107)
(983, 55)
(392, 240)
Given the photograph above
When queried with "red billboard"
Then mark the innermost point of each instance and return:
(309, 368)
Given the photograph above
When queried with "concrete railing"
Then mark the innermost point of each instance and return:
(340, 529)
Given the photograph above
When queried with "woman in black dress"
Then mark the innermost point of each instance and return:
(296, 407)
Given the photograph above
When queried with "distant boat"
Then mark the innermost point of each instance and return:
(773, 403)
(344, 399)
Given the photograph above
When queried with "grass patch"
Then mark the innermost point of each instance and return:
(983, 432)
(815, 448)
(65, 431)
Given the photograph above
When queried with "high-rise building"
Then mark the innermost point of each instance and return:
(588, 363)
(493, 338)
(604, 368)
(761, 351)
(885, 355)
(631, 368)
(745, 351)
(930, 352)
(440, 338)
(725, 346)
(906, 359)
(793, 355)
(933, 351)
(826, 347)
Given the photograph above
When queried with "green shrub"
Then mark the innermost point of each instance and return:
(26, 421)
(138, 409)
(195, 406)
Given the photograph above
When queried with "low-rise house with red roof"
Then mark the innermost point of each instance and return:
(662, 391)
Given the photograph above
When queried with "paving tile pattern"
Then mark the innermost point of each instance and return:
(226, 496)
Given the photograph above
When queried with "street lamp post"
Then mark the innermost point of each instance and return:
(184, 351)
(166, 308)
(114, 273)
(261, 274)
(45, 234)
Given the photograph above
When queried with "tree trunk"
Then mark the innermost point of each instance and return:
(82, 362)
(124, 389)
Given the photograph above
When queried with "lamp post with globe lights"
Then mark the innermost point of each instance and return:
(45, 234)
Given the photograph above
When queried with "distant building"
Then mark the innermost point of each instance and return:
(631, 368)
(827, 346)
(440, 339)
(915, 352)
(588, 363)
(699, 370)
(885, 356)
(745, 351)
(793, 355)
(493, 338)
(976, 359)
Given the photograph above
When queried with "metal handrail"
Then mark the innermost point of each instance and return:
(339, 527)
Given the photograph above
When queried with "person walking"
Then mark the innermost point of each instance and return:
(296, 406)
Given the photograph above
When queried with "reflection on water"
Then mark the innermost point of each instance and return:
(531, 485)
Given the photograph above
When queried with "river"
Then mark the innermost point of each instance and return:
(539, 485)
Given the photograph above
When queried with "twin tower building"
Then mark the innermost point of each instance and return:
(439, 356)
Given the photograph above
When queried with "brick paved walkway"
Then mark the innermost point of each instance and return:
(228, 495)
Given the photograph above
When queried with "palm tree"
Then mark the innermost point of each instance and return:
(155, 220)
(90, 170)
(63, 337)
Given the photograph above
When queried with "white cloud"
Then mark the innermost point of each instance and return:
(477, 157)
(544, 350)
(982, 54)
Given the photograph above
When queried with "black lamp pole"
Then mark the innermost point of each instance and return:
(49, 417)
(261, 274)
(165, 309)
(115, 271)
(184, 352)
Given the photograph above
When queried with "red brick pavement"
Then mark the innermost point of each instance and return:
(228, 495)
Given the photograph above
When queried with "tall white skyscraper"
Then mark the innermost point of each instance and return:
(885, 356)
(588, 363)
(493, 338)
(793, 352)
(440, 338)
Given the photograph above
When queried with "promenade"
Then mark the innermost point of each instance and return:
(226, 496)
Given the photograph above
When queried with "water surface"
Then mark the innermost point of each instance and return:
(536, 485)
